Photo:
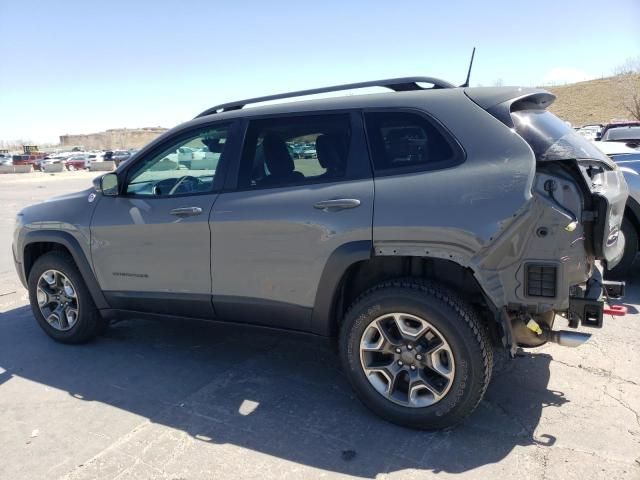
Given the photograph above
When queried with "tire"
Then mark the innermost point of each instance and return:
(630, 251)
(88, 322)
(451, 318)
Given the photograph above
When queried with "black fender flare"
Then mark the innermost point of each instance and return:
(73, 246)
(342, 258)
(322, 318)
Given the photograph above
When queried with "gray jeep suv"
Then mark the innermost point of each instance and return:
(428, 227)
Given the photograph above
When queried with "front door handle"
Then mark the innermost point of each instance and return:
(186, 211)
(337, 204)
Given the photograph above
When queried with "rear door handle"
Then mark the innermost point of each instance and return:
(186, 211)
(337, 204)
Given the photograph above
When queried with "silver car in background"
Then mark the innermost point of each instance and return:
(628, 159)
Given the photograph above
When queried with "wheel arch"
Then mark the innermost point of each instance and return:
(353, 269)
(38, 243)
(328, 294)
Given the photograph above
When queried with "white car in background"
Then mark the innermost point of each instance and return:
(590, 132)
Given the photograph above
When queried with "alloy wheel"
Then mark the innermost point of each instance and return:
(57, 300)
(407, 360)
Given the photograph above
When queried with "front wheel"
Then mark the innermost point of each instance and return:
(61, 301)
(416, 354)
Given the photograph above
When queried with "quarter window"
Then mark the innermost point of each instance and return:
(186, 167)
(401, 140)
(295, 151)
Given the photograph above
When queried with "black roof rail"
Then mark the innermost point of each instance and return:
(396, 84)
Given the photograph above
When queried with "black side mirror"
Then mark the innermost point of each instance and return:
(107, 184)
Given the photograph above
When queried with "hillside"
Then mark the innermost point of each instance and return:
(594, 101)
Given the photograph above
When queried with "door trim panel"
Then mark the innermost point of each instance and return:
(259, 311)
(196, 305)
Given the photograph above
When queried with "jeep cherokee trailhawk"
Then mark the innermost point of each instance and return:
(424, 227)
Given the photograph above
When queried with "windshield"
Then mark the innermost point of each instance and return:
(622, 133)
(552, 139)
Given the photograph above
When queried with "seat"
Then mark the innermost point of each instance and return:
(278, 161)
(331, 152)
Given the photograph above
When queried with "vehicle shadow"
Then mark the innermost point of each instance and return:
(274, 393)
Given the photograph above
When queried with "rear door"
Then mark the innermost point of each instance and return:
(303, 189)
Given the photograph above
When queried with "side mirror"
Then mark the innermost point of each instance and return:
(107, 184)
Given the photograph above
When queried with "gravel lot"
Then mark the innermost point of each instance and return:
(193, 400)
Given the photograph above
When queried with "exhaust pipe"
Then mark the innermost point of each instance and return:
(567, 338)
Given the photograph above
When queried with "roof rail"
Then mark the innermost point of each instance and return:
(396, 84)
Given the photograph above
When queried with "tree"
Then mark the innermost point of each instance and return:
(629, 73)
(631, 102)
(630, 66)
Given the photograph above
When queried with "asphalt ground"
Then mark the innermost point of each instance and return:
(196, 400)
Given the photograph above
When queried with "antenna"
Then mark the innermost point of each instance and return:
(466, 83)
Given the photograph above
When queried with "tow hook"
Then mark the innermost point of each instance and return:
(615, 310)
(613, 290)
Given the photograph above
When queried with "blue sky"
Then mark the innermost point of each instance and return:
(83, 66)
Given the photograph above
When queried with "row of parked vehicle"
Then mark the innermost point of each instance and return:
(622, 131)
(70, 160)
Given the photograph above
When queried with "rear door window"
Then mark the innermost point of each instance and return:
(296, 150)
(405, 141)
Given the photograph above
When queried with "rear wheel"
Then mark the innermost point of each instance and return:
(416, 354)
(60, 300)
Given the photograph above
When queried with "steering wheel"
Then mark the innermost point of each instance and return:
(181, 180)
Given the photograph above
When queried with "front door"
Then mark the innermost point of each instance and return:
(151, 243)
(303, 190)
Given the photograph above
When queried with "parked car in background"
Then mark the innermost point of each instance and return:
(627, 134)
(616, 124)
(132, 153)
(77, 162)
(50, 160)
(33, 159)
(628, 160)
(309, 152)
(590, 132)
(120, 156)
(6, 159)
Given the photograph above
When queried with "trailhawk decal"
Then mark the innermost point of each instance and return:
(127, 274)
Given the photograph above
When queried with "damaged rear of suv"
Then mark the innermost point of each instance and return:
(570, 231)
(424, 228)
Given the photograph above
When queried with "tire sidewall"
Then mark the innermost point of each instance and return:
(630, 250)
(467, 354)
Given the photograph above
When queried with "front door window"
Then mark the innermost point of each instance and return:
(186, 167)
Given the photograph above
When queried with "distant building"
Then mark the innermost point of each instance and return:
(113, 139)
